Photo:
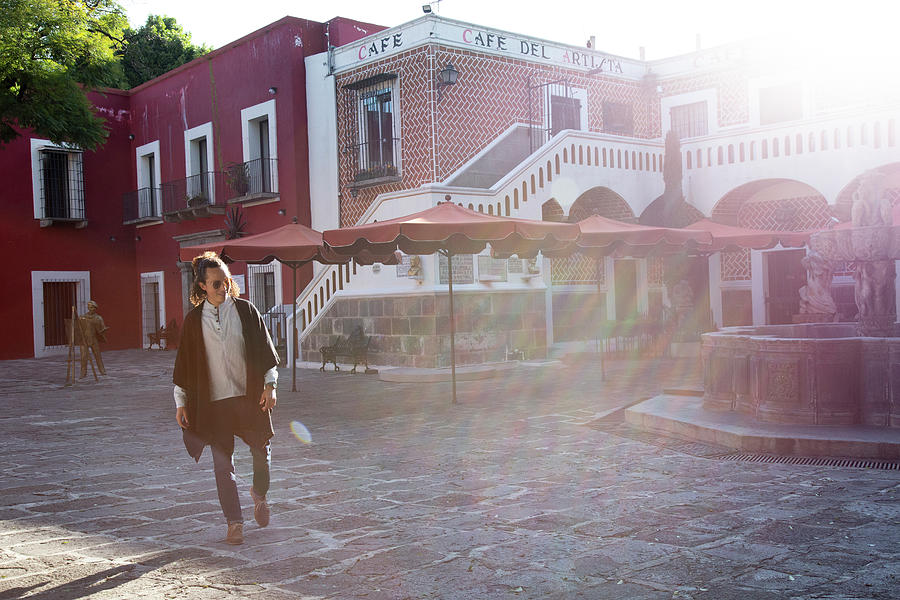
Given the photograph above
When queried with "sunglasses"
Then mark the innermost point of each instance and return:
(218, 284)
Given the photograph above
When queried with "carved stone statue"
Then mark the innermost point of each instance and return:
(815, 296)
(870, 205)
(93, 331)
(874, 290)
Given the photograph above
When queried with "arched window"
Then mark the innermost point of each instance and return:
(490, 209)
(596, 156)
(565, 155)
(541, 177)
(741, 155)
(498, 210)
(506, 203)
(699, 160)
(647, 160)
(472, 207)
(626, 159)
(549, 171)
(516, 197)
(687, 160)
(752, 150)
(532, 183)
(709, 161)
(557, 164)
(619, 158)
(720, 155)
(524, 192)
(765, 149)
(798, 143)
(654, 160)
(580, 154)
(811, 143)
(604, 157)
(730, 154)
(775, 152)
(481, 208)
(589, 156)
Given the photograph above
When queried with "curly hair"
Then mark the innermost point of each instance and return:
(201, 264)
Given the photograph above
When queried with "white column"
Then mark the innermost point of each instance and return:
(715, 288)
(758, 287)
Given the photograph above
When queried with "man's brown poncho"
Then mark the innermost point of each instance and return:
(192, 374)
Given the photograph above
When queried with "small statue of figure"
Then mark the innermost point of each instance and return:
(93, 331)
(415, 267)
(682, 296)
(874, 289)
(815, 296)
(870, 206)
(533, 267)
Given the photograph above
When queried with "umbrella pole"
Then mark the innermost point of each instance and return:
(452, 325)
(294, 336)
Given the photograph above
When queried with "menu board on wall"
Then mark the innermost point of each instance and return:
(514, 265)
(463, 269)
(403, 266)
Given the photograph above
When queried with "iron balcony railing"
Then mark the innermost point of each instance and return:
(251, 178)
(376, 158)
(141, 204)
(195, 191)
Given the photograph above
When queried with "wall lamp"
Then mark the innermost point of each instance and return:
(426, 8)
(273, 90)
(282, 212)
(130, 136)
(446, 77)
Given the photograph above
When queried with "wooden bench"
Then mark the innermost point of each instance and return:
(354, 346)
(166, 332)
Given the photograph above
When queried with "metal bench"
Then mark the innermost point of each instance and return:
(354, 346)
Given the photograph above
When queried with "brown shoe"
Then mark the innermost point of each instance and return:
(235, 534)
(260, 508)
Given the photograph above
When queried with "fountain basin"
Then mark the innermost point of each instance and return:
(810, 374)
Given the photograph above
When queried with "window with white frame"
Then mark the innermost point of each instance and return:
(618, 118)
(375, 141)
(198, 157)
(58, 182)
(265, 285)
(148, 192)
(54, 294)
(258, 174)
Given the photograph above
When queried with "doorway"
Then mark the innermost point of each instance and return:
(785, 276)
(152, 308)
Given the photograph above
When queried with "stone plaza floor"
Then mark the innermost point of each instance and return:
(516, 491)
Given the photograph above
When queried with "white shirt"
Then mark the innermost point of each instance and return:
(223, 338)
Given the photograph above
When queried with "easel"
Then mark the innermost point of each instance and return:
(70, 361)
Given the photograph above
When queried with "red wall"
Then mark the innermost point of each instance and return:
(104, 247)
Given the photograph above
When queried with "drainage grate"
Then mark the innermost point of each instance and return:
(853, 463)
(615, 425)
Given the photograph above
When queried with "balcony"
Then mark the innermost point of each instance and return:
(192, 197)
(252, 182)
(141, 206)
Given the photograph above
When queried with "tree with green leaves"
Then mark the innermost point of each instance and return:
(51, 53)
(155, 48)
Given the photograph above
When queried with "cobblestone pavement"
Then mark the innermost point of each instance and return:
(511, 493)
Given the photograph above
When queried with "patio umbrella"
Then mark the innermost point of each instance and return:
(450, 229)
(293, 245)
(729, 237)
(601, 236)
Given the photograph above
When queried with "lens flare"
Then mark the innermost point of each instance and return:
(301, 432)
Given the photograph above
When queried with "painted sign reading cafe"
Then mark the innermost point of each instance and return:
(461, 35)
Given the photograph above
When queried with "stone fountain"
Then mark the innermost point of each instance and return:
(822, 373)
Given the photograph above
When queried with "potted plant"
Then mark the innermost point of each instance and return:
(237, 176)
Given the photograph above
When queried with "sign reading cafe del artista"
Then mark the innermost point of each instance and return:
(463, 35)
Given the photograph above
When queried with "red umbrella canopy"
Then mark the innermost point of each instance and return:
(729, 237)
(291, 244)
(451, 228)
(601, 236)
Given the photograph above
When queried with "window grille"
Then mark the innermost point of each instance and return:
(690, 120)
(374, 142)
(62, 185)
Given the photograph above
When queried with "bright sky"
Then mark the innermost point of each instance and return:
(664, 27)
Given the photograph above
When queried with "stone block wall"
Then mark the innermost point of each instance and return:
(414, 330)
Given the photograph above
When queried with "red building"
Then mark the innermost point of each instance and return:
(213, 148)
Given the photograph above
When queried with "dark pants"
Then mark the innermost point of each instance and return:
(227, 425)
